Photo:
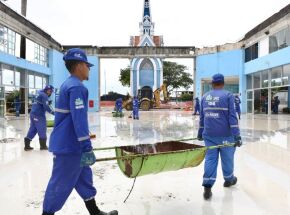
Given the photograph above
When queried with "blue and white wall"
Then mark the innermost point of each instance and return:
(278, 58)
(228, 63)
(24, 64)
(269, 61)
(58, 73)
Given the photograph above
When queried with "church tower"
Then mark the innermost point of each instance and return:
(146, 72)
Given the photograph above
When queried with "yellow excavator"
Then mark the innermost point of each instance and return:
(148, 99)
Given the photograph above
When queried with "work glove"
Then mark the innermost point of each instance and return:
(199, 135)
(238, 141)
(88, 158)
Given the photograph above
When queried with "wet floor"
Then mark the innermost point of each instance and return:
(262, 168)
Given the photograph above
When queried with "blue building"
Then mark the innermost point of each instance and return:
(257, 67)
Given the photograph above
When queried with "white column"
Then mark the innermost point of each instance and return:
(131, 81)
(138, 83)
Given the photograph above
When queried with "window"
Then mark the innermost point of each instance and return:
(252, 52)
(7, 40)
(250, 95)
(279, 40)
(249, 82)
(286, 75)
(276, 79)
(36, 53)
(44, 82)
(265, 78)
(249, 106)
(8, 75)
(40, 55)
(17, 79)
(31, 81)
(257, 80)
(38, 82)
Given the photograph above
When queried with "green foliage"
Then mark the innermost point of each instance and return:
(186, 97)
(14, 94)
(174, 76)
(125, 77)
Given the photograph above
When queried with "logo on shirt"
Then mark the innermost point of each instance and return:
(212, 100)
(212, 115)
(79, 103)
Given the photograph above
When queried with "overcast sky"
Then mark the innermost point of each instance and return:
(182, 23)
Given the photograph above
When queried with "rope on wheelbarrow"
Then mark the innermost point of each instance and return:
(141, 166)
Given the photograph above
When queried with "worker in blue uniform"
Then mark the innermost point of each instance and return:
(196, 106)
(17, 105)
(119, 105)
(218, 125)
(70, 141)
(38, 119)
(136, 108)
(237, 105)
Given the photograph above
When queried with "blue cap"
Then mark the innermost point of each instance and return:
(218, 78)
(78, 55)
(48, 87)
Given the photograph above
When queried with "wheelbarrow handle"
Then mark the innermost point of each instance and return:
(129, 157)
(114, 147)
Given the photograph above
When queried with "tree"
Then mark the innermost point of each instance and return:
(125, 77)
(174, 76)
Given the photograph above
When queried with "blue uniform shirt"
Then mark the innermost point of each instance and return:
(218, 116)
(71, 129)
(40, 105)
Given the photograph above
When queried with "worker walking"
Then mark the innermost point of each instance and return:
(135, 108)
(196, 106)
(218, 125)
(70, 141)
(237, 105)
(38, 119)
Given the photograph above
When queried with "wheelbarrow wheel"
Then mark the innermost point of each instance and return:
(145, 105)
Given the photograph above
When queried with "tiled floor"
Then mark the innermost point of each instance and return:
(262, 166)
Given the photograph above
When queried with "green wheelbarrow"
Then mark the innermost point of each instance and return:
(140, 160)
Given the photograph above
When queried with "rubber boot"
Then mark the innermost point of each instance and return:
(27, 146)
(42, 143)
(231, 183)
(94, 210)
(207, 194)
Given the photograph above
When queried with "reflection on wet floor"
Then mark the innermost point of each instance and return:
(262, 166)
